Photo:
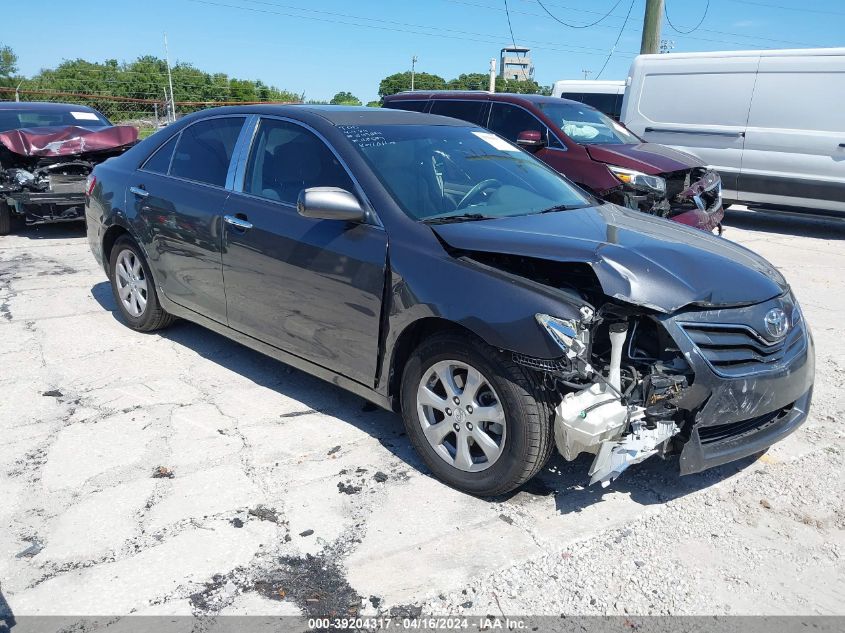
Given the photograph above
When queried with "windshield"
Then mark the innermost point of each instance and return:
(23, 118)
(586, 125)
(437, 172)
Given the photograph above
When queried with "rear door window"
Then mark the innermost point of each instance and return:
(471, 111)
(413, 106)
(287, 158)
(205, 149)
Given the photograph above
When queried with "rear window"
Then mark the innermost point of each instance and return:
(205, 149)
(413, 106)
(471, 111)
(24, 118)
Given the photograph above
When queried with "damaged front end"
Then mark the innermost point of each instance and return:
(610, 403)
(688, 196)
(43, 171)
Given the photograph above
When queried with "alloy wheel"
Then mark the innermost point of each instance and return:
(131, 282)
(461, 415)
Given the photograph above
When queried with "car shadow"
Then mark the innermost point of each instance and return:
(58, 231)
(654, 481)
(786, 223)
(7, 618)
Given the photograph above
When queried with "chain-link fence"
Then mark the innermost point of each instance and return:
(147, 115)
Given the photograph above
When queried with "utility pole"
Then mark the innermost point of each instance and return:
(586, 73)
(493, 75)
(172, 116)
(651, 27)
(413, 70)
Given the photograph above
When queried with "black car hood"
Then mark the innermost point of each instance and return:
(639, 259)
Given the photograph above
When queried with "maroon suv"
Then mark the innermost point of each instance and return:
(589, 148)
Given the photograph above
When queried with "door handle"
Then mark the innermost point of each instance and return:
(138, 191)
(240, 223)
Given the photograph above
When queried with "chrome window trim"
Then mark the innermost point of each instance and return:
(238, 180)
(229, 172)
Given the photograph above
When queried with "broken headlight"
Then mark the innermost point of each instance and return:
(570, 335)
(638, 180)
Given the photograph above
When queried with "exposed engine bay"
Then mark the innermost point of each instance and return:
(697, 190)
(614, 399)
(43, 171)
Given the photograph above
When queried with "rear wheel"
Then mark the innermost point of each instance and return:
(478, 420)
(133, 288)
(5, 219)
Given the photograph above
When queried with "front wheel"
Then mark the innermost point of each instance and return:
(134, 289)
(478, 420)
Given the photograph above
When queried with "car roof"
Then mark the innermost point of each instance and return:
(472, 95)
(338, 115)
(44, 106)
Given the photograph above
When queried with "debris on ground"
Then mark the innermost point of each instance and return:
(380, 477)
(163, 472)
(264, 513)
(347, 488)
(765, 503)
(308, 532)
(53, 393)
(35, 547)
(237, 522)
(317, 584)
(334, 450)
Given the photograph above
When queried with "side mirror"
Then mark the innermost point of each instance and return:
(530, 139)
(329, 203)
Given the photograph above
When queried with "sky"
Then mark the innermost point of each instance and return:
(320, 47)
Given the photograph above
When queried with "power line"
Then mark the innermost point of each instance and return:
(508, 13)
(695, 28)
(787, 8)
(618, 37)
(459, 35)
(581, 26)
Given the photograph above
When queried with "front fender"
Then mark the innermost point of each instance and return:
(497, 306)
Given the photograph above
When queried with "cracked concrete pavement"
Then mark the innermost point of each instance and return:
(180, 473)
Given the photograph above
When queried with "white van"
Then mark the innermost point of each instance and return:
(771, 122)
(604, 96)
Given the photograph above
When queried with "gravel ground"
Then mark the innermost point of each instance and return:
(180, 473)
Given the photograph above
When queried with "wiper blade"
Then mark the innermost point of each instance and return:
(464, 217)
(561, 207)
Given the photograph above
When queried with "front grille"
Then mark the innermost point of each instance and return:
(737, 350)
(721, 432)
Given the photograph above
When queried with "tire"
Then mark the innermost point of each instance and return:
(524, 439)
(5, 219)
(134, 289)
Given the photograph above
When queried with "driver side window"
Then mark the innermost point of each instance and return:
(509, 120)
(287, 158)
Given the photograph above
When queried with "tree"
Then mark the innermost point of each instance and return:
(402, 81)
(471, 81)
(8, 65)
(345, 98)
(529, 87)
(374, 104)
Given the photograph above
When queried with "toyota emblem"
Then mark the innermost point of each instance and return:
(776, 322)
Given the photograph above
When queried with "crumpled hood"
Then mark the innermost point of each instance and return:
(650, 158)
(71, 140)
(639, 259)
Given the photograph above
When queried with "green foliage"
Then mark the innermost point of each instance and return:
(468, 81)
(345, 98)
(402, 81)
(8, 66)
(471, 81)
(374, 104)
(146, 78)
